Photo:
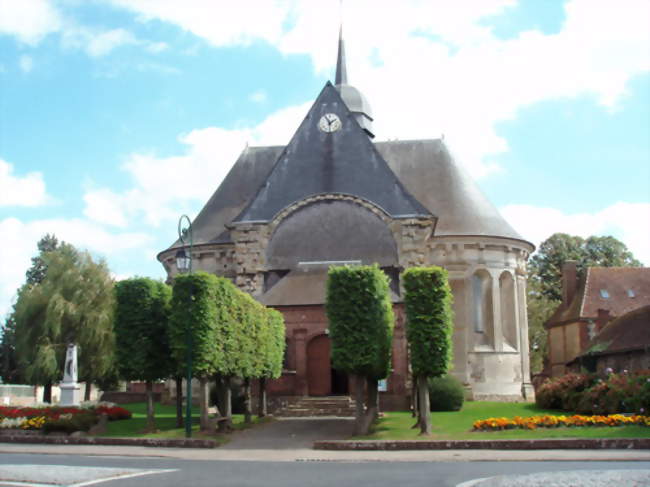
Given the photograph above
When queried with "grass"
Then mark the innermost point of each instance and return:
(457, 425)
(165, 423)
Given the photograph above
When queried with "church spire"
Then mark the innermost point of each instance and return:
(353, 98)
(341, 68)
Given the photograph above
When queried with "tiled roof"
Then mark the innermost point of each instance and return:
(618, 290)
(628, 332)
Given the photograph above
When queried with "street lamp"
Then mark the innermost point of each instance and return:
(183, 264)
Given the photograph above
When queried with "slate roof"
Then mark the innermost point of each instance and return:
(343, 162)
(232, 195)
(315, 233)
(435, 179)
(302, 287)
(626, 333)
(617, 282)
(425, 168)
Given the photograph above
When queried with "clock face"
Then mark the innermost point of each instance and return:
(330, 122)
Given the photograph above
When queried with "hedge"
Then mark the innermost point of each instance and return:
(361, 320)
(429, 320)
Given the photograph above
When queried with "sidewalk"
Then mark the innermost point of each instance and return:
(309, 455)
(290, 440)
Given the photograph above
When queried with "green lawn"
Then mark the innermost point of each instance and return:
(458, 425)
(165, 423)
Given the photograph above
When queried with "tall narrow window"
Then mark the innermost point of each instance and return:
(508, 310)
(482, 307)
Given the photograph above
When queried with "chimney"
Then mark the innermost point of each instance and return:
(603, 318)
(569, 281)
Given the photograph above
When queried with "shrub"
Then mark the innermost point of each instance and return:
(71, 423)
(446, 393)
(114, 413)
(590, 394)
(563, 392)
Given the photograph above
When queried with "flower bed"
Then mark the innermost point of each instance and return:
(550, 421)
(51, 417)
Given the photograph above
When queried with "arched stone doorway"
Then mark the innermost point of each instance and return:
(322, 379)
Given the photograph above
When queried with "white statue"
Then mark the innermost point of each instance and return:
(70, 369)
(70, 390)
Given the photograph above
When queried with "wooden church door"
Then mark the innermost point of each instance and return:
(319, 370)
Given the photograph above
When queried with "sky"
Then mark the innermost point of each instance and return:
(118, 116)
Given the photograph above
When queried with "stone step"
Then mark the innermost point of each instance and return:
(297, 413)
(340, 406)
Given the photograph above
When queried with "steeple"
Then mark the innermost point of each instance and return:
(341, 68)
(353, 98)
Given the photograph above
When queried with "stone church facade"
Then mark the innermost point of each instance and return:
(284, 214)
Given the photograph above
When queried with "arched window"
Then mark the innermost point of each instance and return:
(482, 306)
(508, 309)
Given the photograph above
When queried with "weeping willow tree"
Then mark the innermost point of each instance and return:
(72, 304)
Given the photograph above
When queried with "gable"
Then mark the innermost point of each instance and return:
(342, 162)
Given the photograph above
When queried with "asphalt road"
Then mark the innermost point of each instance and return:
(173, 472)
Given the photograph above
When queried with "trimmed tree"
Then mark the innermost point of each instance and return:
(429, 327)
(194, 322)
(274, 344)
(141, 322)
(361, 321)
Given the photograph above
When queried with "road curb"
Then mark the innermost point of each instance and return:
(541, 444)
(91, 440)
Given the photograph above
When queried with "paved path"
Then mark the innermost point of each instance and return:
(290, 434)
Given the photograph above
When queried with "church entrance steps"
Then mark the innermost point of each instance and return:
(336, 406)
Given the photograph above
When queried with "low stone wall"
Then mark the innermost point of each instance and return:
(89, 440)
(541, 444)
(121, 397)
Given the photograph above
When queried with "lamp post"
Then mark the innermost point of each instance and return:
(183, 264)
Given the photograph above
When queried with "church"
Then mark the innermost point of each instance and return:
(333, 196)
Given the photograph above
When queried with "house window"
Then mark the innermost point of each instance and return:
(604, 293)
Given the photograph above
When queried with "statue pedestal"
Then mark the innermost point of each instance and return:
(70, 394)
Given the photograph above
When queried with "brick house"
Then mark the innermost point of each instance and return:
(284, 214)
(622, 345)
(588, 305)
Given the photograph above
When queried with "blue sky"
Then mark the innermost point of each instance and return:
(117, 116)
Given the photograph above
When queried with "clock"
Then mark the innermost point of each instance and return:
(330, 122)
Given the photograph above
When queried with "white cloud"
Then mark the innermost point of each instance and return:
(239, 23)
(26, 64)
(431, 67)
(27, 190)
(155, 47)
(621, 220)
(98, 42)
(188, 179)
(104, 42)
(29, 20)
(258, 96)
(19, 245)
